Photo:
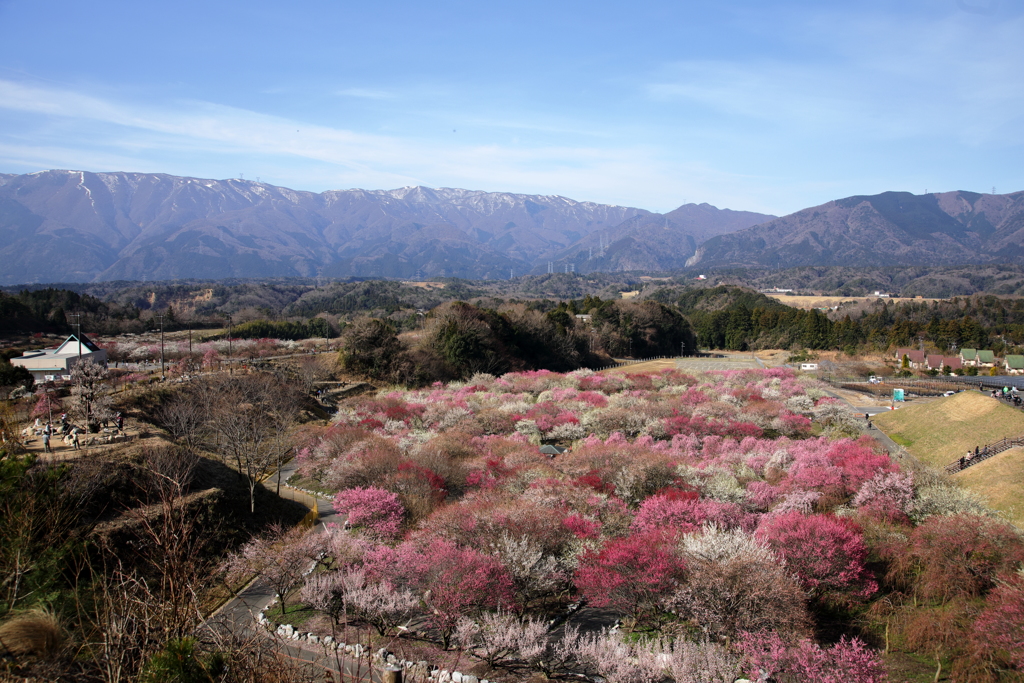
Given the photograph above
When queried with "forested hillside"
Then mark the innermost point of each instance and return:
(734, 318)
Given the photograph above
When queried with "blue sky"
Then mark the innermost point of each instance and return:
(760, 106)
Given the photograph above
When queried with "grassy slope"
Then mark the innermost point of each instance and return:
(997, 480)
(940, 431)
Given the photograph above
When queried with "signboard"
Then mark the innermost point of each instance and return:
(897, 395)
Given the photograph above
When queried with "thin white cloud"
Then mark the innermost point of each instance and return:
(367, 94)
(874, 78)
(632, 175)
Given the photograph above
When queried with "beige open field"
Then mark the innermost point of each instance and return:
(424, 285)
(940, 431)
(648, 367)
(861, 399)
(998, 480)
(728, 361)
(809, 302)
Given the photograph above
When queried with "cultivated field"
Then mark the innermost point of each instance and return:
(809, 302)
(998, 480)
(940, 431)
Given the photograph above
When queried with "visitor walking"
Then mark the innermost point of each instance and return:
(46, 441)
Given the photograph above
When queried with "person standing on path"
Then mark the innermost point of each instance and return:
(46, 441)
(74, 443)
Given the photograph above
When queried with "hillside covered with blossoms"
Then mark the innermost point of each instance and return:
(729, 523)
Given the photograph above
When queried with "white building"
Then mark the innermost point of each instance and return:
(55, 364)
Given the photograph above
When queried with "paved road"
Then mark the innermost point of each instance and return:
(238, 615)
(240, 612)
(891, 446)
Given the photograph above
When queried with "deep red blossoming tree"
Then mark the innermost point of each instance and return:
(826, 553)
(633, 574)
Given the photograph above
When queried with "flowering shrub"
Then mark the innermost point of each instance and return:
(660, 512)
(826, 553)
(889, 494)
(1001, 625)
(736, 584)
(960, 555)
(632, 574)
(848, 660)
(377, 511)
(453, 581)
(698, 506)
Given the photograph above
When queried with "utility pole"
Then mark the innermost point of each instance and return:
(78, 333)
(162, 375)
(230, 369)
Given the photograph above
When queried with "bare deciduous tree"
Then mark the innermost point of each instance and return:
(250, 418)
(312, 370)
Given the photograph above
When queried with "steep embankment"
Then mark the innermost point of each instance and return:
(940, 431)
(998, 481)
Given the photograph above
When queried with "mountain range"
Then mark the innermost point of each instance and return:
(888, 229)
(74, 226)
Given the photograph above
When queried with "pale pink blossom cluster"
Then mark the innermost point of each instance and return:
(688, 504)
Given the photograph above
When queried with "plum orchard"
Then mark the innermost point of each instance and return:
(701, 509)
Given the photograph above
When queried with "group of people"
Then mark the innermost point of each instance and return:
(971, 456)
(1008, 394)
(67, 430)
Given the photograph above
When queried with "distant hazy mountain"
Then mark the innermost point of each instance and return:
(72, 226)
(892, 228)
(654, 241)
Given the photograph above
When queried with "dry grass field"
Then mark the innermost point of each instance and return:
(940, 431)
(809, 302)
(648, 367)
(998, 481)
(727, 360)
(424, 285)
(861, 399)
